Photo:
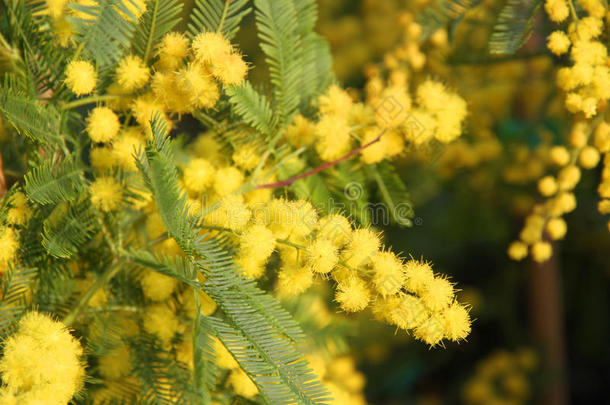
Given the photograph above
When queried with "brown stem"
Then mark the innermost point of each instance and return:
(2, 179)
(547, 325)
(326, 165)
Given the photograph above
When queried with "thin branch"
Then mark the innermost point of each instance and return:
(99, 283)
(288, 182)
(2, 179)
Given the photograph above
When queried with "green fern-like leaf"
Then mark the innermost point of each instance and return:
(28, 116)
(221, 16)
(514, 26)
(264, 325)
(16, 282)
(50, 183)
(253, 108)
(317, 72)
(158, 19)
(393, 193)
(174, 266)
(442, 12)
(277, 22)
(106, 31)
(63, 233)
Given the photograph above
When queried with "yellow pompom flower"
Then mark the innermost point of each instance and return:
(145, 107)
(517, 250)
(541, 251)
(336, 102)
(556, 228)
(198, 176)
(102, 158)
(257, 241)
(252, 267)
(301, 218)
(588, 157)
(431, 331)
(558, 42)
(232, 213)
(376, 152)
(81, 77)
(457, 322)
(432, 95)
(557, 10)
(353, 294)
(322, 256)
(228, 180)
(438, 294)
(336, 228)
(106, 193)
(568, 177)
(559, 155)
(333, 138)
(102, 124)
(563, 203)
(173, 49)
(19, 213)
(419, 275)
(547, 186)
(157, 286)
(246, 156)
(389, 274)
(294, 280)
(125, 148)
(116, 364)
(209, 47)
(161, 321)
(56, 7)
(361, 248)
(230, 69)
(420, 127)
(408, 312)
(132, 73)
(199, 86)
(8, 247)
(300, 132)
(604, 207)
(40, 357)
(242, 384)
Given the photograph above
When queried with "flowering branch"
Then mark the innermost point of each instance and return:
(326, 165)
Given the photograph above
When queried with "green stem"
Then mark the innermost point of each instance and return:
(224, 17)
(91, 100)
(79, 50)
(99, 283)
(153, 23)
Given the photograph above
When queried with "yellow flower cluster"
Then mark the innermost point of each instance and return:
(587, 81)
(384, 124)
(406, 294)
(18, 212)
(587, 142)
(41, 363)
(502, 378)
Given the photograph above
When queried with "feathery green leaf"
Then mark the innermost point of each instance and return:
(514, 26)
(158, 19)
(253, 107)
(50, 183)
(221, 16)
